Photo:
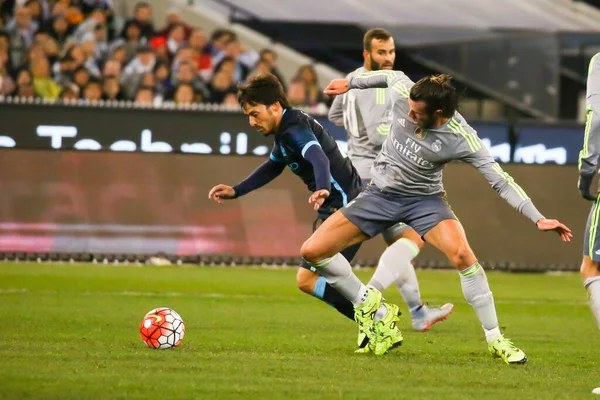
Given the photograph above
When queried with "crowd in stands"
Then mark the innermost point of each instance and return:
(80, 49)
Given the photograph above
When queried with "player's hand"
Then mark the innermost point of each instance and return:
(221, 192)
(555, 225)
(584, 184)
(318, 198)
(337, 86)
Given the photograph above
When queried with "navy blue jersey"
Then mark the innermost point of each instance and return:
(297, 133)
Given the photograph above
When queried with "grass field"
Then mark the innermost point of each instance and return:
(71, 332)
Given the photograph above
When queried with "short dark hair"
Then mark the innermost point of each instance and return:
(438, 94)
(263, 88)
(376, 33)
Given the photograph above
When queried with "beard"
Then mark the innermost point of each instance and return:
(375, 66)
(426, 123)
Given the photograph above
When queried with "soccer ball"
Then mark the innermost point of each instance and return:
(162, 328)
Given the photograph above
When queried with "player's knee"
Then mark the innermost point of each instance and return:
(462, 257)
(589, 269)
(312, 252)
(305, 280)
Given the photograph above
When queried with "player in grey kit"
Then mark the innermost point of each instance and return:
(367, 116)
(427, 133)
(588, 167)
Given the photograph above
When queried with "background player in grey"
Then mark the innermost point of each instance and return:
(367, 117)
(427, 133)
(588, 167)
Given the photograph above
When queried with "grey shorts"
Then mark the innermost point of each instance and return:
(591, 240)
(394, 231)
(374, 211)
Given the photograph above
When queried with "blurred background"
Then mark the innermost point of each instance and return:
(117, 116)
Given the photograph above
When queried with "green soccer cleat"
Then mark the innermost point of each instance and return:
(506, 350)
(364, 314)
(388, 335)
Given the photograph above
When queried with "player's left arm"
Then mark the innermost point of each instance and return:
(478, 156)
(304, 142)
(588, 156)
(336, 111)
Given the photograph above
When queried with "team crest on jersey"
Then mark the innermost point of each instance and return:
(436, 146)
(420, 133)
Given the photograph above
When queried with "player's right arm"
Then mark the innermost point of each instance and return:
(336, 111)
(588, 157)
(264, 174)
(397, 82)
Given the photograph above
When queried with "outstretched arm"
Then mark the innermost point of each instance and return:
(264, 174)
(397, 82)
(510, 191)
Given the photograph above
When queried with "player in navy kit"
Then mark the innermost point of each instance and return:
(310, 152)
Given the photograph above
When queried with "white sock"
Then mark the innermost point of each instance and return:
(394, 266)
(338, 273)
(477, 293)
(592, 285)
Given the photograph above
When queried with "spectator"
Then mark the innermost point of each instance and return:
(7, 85)
(70, 92)
(44, 86)
(65, 71)
(91, 63)
(119, 54)
(89, 25)
(37, 12)
(24, 84)
(221, 85)
(176, 39)
(231, 101)
(21, 30)
(270, 57)
(184, 94)
(49, 46)
(188, 75)
(88, 6)
(142, 18)
(308, 76)
(198, 42)
(174, 18)
(296, 93)
(143, 62)
(218, 40)
(81, 77)
(162, 78)
(131, 40)
(112, 68)
(159, 44)
(59, 30)
(111, 89)
(93, 91)
(74, 16)
(243, 60)
(144, 95)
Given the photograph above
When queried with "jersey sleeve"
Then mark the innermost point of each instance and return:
(299, 139)
(377, 117)
(588, 156)
(336, 112)
(277, 155)
(397, 82)
(472, 151)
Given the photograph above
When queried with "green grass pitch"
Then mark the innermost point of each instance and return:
(71, 332)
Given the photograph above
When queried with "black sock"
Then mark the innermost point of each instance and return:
(343, 305)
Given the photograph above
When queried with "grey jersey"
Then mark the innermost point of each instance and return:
(411, 159)
(588, 157)
(367, 117)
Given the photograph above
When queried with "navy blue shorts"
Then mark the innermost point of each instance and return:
(375, 211)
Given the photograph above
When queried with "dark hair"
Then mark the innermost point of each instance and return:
(141, 4)
(438, 94)
(263, 88)
(377, 33)
(266, 51)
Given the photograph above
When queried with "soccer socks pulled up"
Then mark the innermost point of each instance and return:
(329, 295)
(395, 267)
(338, 273)
(477, 293)
(592, 285)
